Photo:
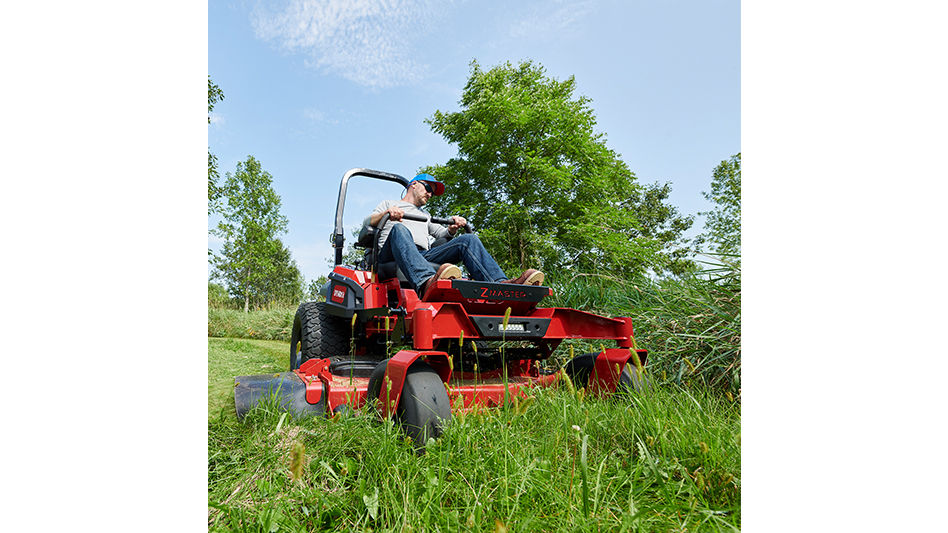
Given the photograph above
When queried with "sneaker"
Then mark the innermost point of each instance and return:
(530, 277)
(445, 271)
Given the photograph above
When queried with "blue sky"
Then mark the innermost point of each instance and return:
(315, 87)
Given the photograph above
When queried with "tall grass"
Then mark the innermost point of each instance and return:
(691, 326)
(666, 460)
(274, 324)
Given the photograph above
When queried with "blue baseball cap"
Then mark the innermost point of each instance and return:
(436, 185)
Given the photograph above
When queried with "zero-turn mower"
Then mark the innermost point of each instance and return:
(471, 342)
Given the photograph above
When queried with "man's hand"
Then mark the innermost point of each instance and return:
(459, 222)
(394, 214)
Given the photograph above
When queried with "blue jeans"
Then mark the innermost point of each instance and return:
(467, 248)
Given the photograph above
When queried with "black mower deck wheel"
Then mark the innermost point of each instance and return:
(424, 409)
(580, 368)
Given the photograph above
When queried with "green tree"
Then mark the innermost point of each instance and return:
(253, 261)
(661, 221)
(214, 95)
(723, 223)
(539, 184)
(214, 192)
(284, 286)
(313, 289)
(351, 255)
(216, 296)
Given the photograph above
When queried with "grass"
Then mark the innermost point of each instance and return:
(667, 460)
(227, 358)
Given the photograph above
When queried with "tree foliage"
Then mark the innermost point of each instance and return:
(254, 263)
(723, 223)
(217, 296)
(313, 289)
(351, 255)
(540, 185)
(214, 192)
(661, 221)
(214, 95)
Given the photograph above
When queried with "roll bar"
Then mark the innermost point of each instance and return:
(338, 237)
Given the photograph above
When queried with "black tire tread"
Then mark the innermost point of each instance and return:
(320, 335)
(424, 409)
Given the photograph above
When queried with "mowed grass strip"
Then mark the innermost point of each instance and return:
(228, 358)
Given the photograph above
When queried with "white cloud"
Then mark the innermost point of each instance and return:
(316, 120)
(317, 116)
(546, 24)
(369, 42)
(314, 114)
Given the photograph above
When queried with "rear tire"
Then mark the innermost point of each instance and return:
(317, 334)
(581, 367)
(424, 409)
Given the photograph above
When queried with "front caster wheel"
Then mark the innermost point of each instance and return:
(424, 409)
(581, 367)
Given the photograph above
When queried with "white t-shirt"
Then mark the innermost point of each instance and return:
(419, 230)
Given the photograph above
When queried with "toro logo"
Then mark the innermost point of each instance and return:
(338, 294)
(493, 294)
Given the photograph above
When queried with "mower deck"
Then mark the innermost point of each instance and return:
(326, 393)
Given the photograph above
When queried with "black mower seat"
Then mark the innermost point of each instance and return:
(390, 270)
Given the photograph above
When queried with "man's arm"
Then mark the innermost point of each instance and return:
(395, 214)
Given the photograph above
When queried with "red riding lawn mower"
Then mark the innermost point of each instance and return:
(472, 342)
